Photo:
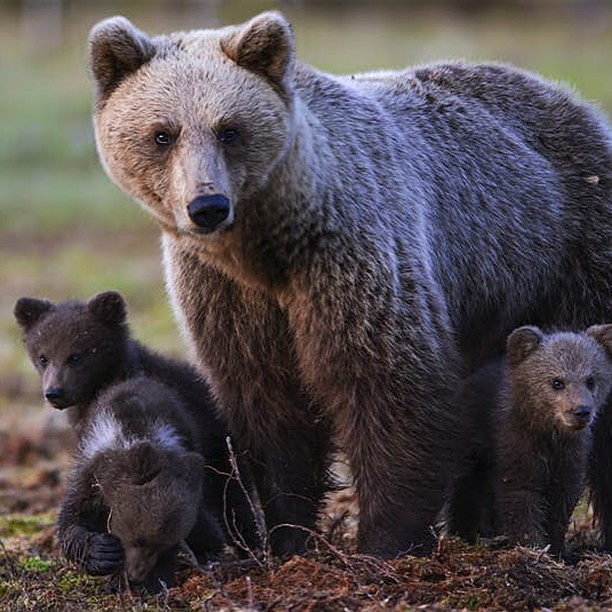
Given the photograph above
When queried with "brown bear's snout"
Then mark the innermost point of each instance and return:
(582, 414)
(209, 211)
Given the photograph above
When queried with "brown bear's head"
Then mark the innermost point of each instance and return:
(154, 496)
(560, 379)
(193, 123)
(78, 348)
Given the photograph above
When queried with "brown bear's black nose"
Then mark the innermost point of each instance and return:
(209, 211)
(582, 412)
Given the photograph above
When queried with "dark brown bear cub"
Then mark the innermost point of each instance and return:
(532, 437)
(90, 366)
(138, 491)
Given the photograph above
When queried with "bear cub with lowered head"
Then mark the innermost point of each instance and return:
(336, 246)
(137, 492)
(532, 415)
(147, 424)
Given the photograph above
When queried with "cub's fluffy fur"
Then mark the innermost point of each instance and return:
(532, 415)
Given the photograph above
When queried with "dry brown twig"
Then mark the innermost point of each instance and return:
(11, 564)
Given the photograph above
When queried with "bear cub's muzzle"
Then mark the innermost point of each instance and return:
(56, 396)
(208, 212)
(581, 416)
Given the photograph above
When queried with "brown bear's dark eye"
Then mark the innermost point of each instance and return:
(74, 358)
(557, 384)
(44, 362)
(590, 382)
(228, 136)
(163, 139)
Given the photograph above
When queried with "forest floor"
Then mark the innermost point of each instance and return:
(34, 575)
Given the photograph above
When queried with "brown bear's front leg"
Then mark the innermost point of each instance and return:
(522, 505)
(600, 474)
(291, 472)
(242, 344)
(565, 490)
(381, 359)
(522, 516)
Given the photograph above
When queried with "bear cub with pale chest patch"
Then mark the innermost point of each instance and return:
(138, 490)
(532, 438)
(152, 466)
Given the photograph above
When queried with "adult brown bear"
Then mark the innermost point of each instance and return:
(332, 245)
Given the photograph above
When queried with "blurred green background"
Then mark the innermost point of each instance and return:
(66, 231)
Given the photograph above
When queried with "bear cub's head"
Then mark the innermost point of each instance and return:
(154, 495)
(560, 380)
(78, 348)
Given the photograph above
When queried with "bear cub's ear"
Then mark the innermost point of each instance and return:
(603, 335)
(144, 462)
(29, 311)
(264, 45)
(108, 307)
(522, 342)
(136, 465)
(116, 49)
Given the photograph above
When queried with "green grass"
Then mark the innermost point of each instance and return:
(35, 565)
(21, 525)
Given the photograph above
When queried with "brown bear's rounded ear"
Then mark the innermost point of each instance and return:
(116, 49)
(603, 335)
(28, 311)
(522, 342)
(264, 45)
(108, 307)
(144, 463)
(139, 464)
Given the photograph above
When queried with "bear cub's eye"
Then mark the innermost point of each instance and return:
(162, 138)
(557, 384)
(228, 136)
(590, 383)
(74, 358)
(44, 362)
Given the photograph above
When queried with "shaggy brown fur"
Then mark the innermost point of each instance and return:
(332, 243)
(532, 415)
(154, 502)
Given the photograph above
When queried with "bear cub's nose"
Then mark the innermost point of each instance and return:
(54, 395)
(209, 211)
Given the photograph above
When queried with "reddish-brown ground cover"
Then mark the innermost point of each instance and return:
(34, 576)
